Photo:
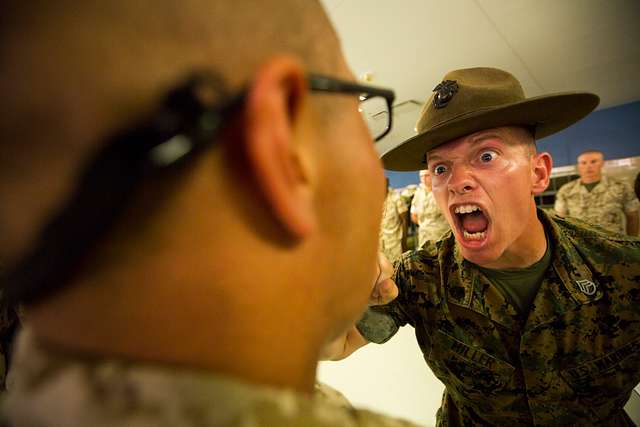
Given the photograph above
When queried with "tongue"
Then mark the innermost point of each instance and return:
(474, 222)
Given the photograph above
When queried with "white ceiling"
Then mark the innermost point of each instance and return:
(549, 45)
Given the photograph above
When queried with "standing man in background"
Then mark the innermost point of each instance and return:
(432, 224)
(598, 199)
(393, 230)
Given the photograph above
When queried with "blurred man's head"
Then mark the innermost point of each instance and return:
(425, 178)
(242, 228)
(484, 183)
(590, 165)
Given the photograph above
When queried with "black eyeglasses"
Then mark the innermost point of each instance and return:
(376, 104)
(186, 123)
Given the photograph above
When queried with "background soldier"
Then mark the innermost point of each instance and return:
(172, 193)
(598, 199)
(527, 318)
(425, 212)
(393, 229)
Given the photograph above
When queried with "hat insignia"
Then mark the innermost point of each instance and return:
(587, 287)
(444, 93)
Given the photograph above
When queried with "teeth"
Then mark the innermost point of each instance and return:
(474, 236)
(464, 209)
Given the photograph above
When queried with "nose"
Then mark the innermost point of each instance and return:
(460, 181)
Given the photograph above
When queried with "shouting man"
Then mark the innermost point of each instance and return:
(527, 318)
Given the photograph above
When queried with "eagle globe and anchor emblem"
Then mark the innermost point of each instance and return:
(444, 93)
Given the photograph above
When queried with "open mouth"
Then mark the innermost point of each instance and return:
(471, 222)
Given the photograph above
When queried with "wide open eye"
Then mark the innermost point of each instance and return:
(488, 156)
(439, 170)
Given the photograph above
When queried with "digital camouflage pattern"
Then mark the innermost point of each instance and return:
(605, 205)
(573, 361)
(51, 389)
(432, 223)
(391, 227)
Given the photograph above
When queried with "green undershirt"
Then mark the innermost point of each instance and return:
(520, 285)
(590, 186)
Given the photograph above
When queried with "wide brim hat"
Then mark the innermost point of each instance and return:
(475, 99)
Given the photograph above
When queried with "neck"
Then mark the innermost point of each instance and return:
(168, 293)
(590, 180)
(528, 249)
(146, 320)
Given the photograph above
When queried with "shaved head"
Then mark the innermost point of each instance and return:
(73, 72)
(115, 253)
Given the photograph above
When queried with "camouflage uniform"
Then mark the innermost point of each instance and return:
(391, 228)
(51, 389)
(605, 205)
(431, 221)
(573, 360)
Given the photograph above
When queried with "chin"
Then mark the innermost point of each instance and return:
(480, 256)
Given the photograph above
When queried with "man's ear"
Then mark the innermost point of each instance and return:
(541, 172)
(276, 107)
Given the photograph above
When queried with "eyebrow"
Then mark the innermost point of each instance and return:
(476, 140)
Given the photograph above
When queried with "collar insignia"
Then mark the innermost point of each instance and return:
(444, 93)
(587, 287)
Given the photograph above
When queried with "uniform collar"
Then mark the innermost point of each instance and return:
(466, 286)
(599, 187)
(570, 282)
(99, 389)
(572, 269)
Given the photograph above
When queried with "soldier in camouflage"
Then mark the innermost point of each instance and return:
(425, 212)
(171, 197)
(64, 390)
(393, 228)
(571, 356)
(527, 318)
(598, 199)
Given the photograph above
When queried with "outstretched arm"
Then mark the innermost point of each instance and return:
(344, 345)
(560, 204)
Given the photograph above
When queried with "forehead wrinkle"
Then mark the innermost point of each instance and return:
(473, 139)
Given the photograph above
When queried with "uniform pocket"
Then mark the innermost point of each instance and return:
(604, 382)
(469, 372)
